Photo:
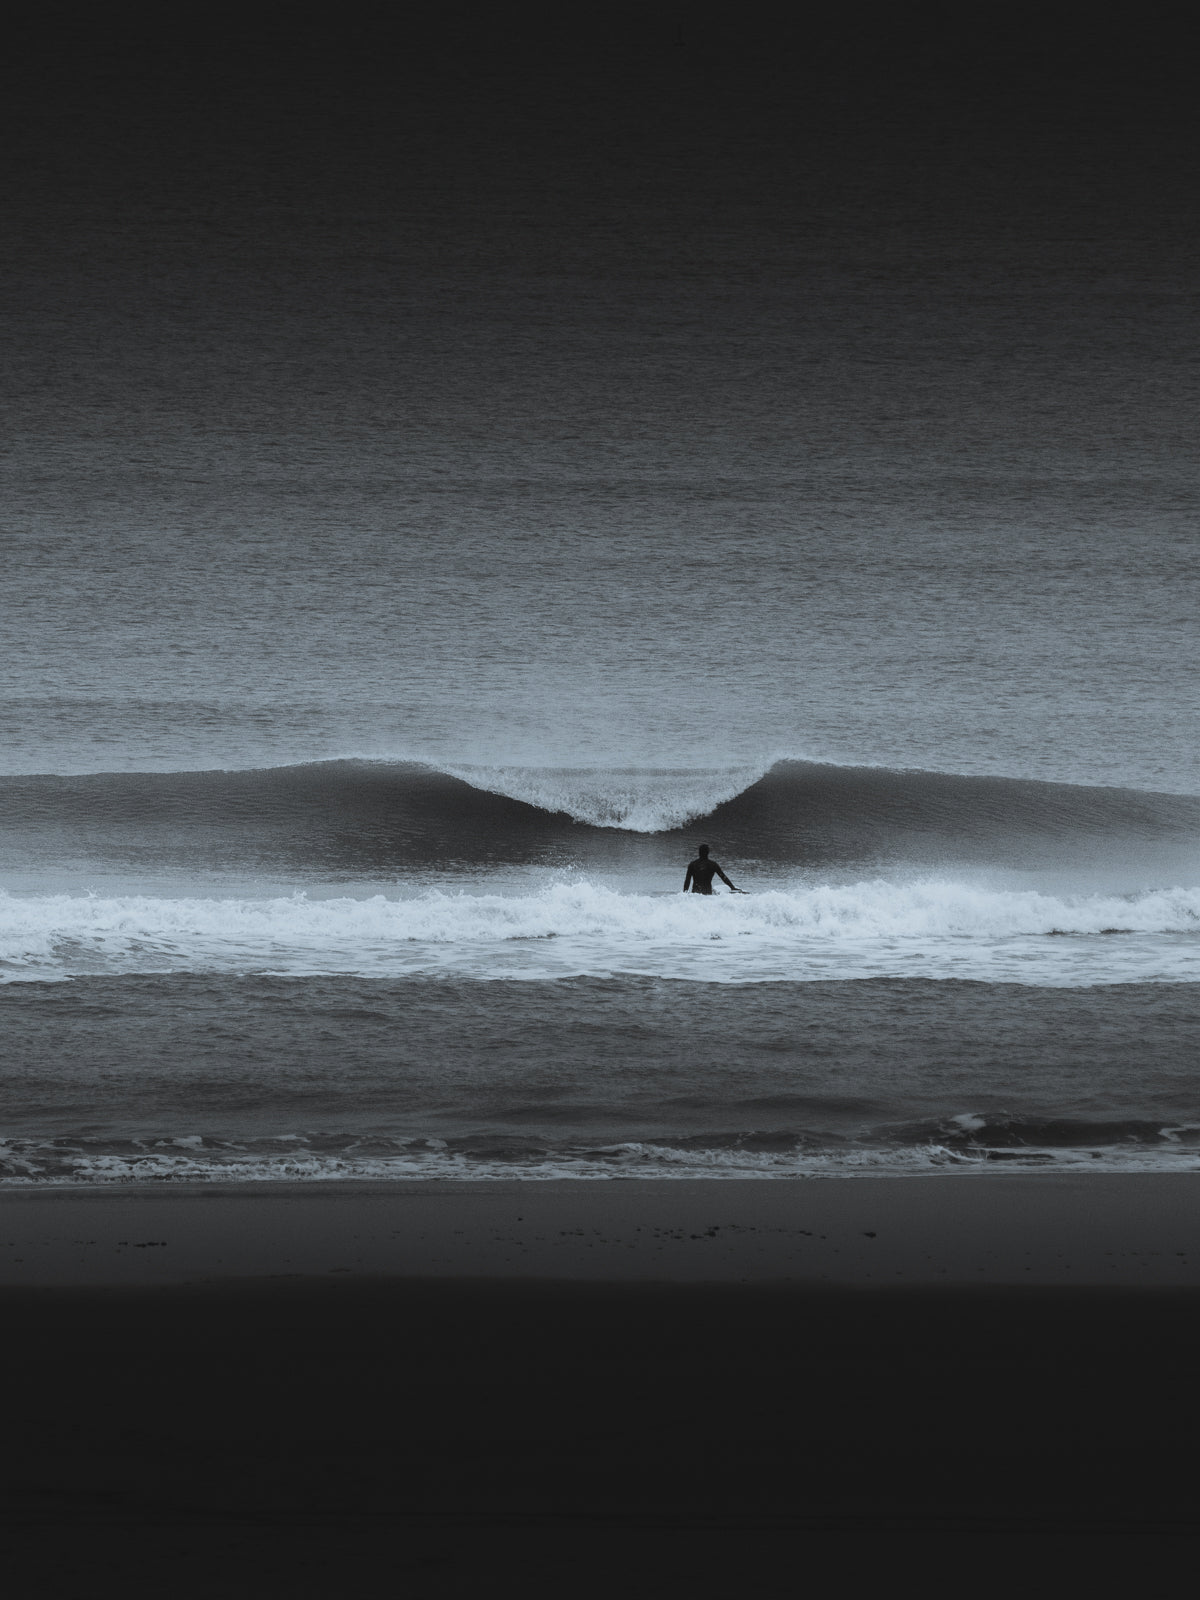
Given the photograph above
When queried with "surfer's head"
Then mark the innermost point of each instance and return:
(703, 849)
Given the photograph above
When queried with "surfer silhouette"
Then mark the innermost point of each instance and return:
(702, 871)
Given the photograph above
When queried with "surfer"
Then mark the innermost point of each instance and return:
(702, 871)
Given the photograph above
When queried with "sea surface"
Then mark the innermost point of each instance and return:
(441, 492)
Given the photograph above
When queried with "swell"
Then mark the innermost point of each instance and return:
(372, 816)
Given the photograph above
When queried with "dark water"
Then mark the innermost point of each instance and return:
(249, 1078)
(452, 468)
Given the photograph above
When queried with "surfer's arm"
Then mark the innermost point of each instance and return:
(725, 880)
(687, 882)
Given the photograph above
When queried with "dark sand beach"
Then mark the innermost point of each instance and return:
(710, 1386)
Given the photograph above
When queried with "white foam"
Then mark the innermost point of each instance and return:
(877, 928)
(637, 801)
(24, 1164)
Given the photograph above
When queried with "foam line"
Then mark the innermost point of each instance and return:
(576, 927)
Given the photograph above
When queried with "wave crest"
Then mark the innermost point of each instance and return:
(377, 819)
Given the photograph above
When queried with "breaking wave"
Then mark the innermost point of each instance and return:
(639, 802)
(380, 817)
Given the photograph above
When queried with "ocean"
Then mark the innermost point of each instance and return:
(441, 489)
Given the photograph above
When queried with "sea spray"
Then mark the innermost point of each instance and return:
(637, 801)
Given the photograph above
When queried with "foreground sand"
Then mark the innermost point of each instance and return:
(709, 1384)
(1102, 1229)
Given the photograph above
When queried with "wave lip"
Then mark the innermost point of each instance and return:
(639, 801)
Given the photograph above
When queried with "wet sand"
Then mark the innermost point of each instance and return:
(714, 1384)
(1001, 1229)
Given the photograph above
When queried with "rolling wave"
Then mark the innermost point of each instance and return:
(380, 817)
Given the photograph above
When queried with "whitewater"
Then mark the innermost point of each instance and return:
(925, 928)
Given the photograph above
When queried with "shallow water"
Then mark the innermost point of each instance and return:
(187, 1077)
